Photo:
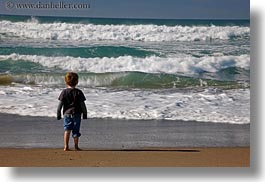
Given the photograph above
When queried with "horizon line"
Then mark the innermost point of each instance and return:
(144, 18)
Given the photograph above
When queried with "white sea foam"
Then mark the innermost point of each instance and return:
(230, 106)
(153, 64)
(91, 32)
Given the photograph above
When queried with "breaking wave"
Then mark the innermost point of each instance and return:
(142, 32)
(152, 64)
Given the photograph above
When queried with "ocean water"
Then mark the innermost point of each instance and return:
(192, 70)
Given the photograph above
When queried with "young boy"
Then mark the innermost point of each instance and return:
(72, 101)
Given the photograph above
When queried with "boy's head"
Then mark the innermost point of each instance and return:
(71, 79)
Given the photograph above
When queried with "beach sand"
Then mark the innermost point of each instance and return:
(38, 141)
(182, 157)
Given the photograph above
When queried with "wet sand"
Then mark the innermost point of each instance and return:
(44, 132)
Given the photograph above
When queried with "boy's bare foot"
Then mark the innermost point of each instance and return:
(66, 149)
(77, 149)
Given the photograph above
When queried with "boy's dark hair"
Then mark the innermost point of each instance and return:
(71, 79)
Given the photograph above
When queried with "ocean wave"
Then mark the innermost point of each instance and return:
(124, 21)
(125, 80)
(152, 64)
(92, 32)
(85, 52)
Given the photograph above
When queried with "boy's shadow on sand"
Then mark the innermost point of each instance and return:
(138, 150)
(253, 172)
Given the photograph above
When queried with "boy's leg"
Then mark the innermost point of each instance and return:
(68, 126)
(66, 140)
(76, 139)
(76, 130)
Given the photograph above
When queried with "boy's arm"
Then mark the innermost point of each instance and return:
(84, 110)
(59, 108)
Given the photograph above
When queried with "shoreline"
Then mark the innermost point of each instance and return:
(44, 132)
(177, 157)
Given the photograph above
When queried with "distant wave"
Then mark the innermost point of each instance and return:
(152, 64)
(125, 21)
(84, 52)
(91, 32)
